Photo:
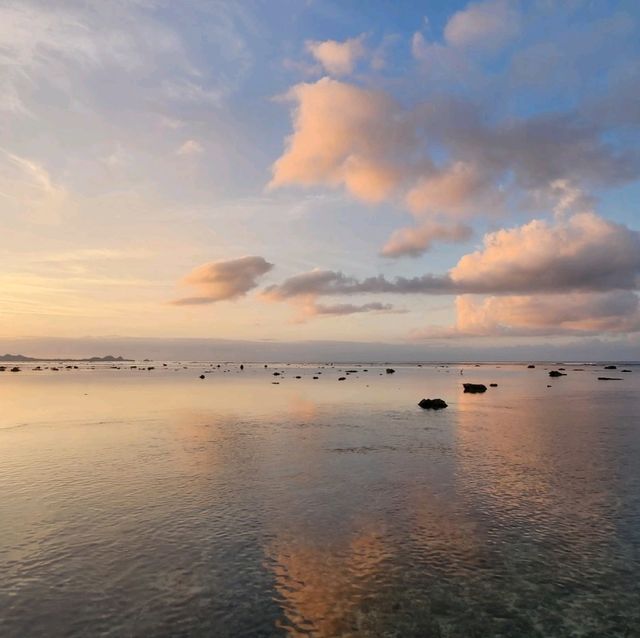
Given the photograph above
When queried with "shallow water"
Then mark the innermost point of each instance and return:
(153, 503)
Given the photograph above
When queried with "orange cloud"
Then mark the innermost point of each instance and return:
(223, 280)
(415, 241)
(584, 251)
(576, 313)
(345, 136)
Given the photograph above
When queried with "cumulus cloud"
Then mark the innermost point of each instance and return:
(347, 136)
(338, 58)
(416, 241)
(583, 252)
(460, 189)
(223, 280)
(484, 25)
(576, 313)
(445, 158)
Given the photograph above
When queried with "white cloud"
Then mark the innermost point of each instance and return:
(190, 148)
(484, 25)
(338, 58)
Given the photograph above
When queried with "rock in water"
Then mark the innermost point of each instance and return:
(611, 367)
(390, 370)
(609, 378)
(202, 376)
(493, 385)
(531, 366)
(556, 373)
(432, 404)
(474, 387)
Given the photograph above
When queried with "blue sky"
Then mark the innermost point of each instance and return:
(148, 147)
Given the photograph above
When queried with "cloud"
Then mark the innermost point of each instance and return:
(28, 189)
(224, 280)
(483, 25)
(583, 252)
(414, 242)
(579, 313)
(60, 47)
(347, 136)
(338, 58)
(446, 157)
(459, 189)
(190, 148)
(307, 308)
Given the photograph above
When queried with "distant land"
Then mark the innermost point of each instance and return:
(22, 358)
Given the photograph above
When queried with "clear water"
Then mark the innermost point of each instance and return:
(157, 504)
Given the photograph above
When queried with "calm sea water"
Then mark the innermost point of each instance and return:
(153, 503)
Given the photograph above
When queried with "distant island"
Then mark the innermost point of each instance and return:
(22, 358)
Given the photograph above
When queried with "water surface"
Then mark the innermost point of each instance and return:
(153, 503)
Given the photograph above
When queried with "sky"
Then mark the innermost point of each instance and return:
(434, 176)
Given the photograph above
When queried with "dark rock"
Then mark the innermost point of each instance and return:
(298, 377)
(15, 369)
(625, 371)
(474, 387)
(202, 376)
(342, 378)
(531, 366)
(314, 377)
(432, 404)
(493, 385)
(276, 374)
(611, 367)
(390, 370)
(241, 366)
(609, 378)
(556, 373)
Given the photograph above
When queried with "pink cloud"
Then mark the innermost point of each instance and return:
(224, 280)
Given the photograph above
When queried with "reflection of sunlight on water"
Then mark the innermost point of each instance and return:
(320, 587)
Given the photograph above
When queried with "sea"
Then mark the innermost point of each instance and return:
(138, 499)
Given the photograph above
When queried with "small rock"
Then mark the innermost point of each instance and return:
(432, 404)
(609, 379)
(530, 366)
(611, 367)
(15, 369)
(474, 387)
(390, 370)
(202, 376)
(342, 378)
(493, 385)
(556, 373)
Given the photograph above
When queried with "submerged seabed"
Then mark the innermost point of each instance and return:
(153, 503)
